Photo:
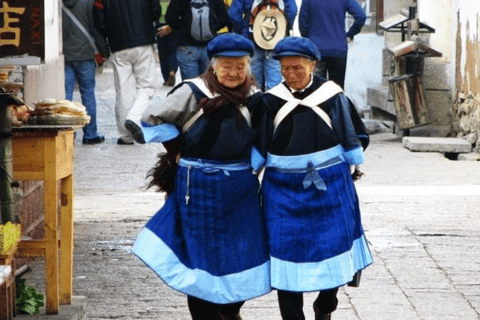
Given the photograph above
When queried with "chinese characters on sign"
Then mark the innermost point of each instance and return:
(23, 28)
(7, 29)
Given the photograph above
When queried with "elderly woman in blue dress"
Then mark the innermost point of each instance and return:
(311, 136)
(209, 239)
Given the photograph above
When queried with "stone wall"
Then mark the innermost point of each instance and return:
(466, 122)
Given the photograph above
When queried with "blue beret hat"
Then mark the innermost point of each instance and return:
(230, 45)
(296, 46)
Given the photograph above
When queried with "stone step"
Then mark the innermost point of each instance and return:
(430, 144)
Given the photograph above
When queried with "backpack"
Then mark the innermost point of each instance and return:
(260, 5)
(202, 20)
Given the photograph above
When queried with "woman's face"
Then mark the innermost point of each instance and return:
(231, 71)
(297, 71)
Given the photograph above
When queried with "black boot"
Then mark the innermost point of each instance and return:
(229, 317)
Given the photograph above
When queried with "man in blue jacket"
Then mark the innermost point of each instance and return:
(264, 67)
(323, 22)
(128, 26)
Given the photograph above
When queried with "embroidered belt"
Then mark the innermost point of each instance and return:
(308, 164)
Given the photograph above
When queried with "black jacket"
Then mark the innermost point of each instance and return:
(127, 23)
(179, 12)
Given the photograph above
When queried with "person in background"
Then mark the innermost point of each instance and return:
(80, 61)
(128, 26)
(167, 48)
(192, 54)
(266, 70)
(228, 3)
(323, 22)
(309, 136)
(208, 241)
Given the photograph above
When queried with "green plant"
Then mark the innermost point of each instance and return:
(28, 299)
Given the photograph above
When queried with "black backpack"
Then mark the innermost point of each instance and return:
(202, 21)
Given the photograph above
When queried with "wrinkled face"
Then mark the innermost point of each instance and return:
(297, 71)
(231, 71)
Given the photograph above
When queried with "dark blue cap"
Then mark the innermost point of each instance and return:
(296, 46)
(230, 45)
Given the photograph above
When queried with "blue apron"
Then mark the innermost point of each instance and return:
(313, 220)
(209, 239)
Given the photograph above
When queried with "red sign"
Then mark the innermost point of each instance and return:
(23, 28)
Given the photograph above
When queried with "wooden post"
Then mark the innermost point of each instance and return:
(7, 290)
(51, 223)
(66, 250)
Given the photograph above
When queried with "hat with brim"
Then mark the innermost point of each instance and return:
(269, 28)
(296, 46)
(230, 45)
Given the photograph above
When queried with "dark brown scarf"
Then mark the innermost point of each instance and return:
(235, 96)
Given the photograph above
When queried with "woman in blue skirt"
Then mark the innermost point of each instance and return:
(209, 239)
(311, 136)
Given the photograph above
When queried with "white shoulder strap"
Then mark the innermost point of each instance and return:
(203, 87)
(322, 94)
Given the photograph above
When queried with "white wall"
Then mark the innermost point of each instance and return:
(468, 16)
(447, 16)
(48, 80)
(53, 29)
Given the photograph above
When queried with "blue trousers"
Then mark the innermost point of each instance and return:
(266, 69)
(83, 72)
(193, 61)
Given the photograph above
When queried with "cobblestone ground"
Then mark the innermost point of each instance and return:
(421, 214)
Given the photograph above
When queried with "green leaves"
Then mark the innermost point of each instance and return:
(28, 299)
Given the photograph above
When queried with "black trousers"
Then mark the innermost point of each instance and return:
(291, 303)
(205, 310)
(334, 68)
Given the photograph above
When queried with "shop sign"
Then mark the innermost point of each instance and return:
(22, 28)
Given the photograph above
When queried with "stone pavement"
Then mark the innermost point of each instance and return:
(421, 214)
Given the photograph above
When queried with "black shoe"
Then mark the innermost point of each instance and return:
(236, 317)
(135, 130)
(120, 141)
(321, 316)
(96, 140)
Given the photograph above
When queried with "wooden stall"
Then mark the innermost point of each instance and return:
(46, 153)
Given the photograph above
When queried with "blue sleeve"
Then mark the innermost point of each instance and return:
(161, 133)
(346, 131)
(236, 13)
(290, 12)
(354, 9)
(304, 19)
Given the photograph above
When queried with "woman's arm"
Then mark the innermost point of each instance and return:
(162, 122)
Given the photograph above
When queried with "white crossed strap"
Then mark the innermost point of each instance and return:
(203, 87)
(322, 94)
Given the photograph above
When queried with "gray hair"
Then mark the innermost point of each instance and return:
(216, 60)
(317, 71)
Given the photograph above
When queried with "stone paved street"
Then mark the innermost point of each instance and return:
(421, 214)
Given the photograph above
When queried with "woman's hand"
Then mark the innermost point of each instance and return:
(164, 31)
